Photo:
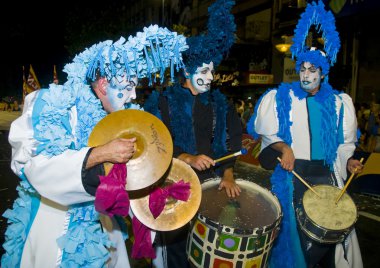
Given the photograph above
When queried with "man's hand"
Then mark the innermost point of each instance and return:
(354, 166)
(228, 183)
(116, 151)
(287, 157)
(199, 162)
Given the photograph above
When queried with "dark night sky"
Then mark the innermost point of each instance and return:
(30, 34)
(33, 33)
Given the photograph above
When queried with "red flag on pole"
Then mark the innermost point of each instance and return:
(32, 79)
(55, 76)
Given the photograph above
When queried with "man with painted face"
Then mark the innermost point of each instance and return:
(312, 129)
(55, 222)
(198, 107)
(204, 126)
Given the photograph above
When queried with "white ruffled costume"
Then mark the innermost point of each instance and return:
(59, 182)
(53, 222)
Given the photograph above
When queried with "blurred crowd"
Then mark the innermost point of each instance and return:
(10, 104)
(245, 109)
(368, 116)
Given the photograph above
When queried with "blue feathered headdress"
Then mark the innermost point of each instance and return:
(144, 55)
(215, 44)
(324, 21)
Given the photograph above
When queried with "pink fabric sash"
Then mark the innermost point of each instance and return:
(157, 198)
(111, 198)
(142, 248)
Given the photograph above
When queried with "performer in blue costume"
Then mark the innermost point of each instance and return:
(312, 128)
(202, 123)
(54, 222)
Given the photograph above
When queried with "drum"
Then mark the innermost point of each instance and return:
(234, 232)
(324, 221)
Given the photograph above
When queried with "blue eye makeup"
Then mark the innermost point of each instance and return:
(114, 84)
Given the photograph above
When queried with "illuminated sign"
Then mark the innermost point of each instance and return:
(260, 79)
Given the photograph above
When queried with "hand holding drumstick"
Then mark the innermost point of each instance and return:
(241, 152)
(302, 180)
(354, 168)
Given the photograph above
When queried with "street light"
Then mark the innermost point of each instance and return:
(285, 46)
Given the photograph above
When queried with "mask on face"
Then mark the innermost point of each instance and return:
(310, 77)
(121, 92)
(202, 78)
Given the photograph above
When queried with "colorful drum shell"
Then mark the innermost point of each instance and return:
(211, 244)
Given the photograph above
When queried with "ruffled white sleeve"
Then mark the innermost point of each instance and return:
(346, 150)
(21, 136)
(58, 178)
(266, 123)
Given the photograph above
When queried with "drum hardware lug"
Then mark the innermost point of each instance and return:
(217, 242)
(324, 233)
(277, 231)
(256, 246)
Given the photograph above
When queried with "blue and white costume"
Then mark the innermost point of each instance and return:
(283, 115)
(319, 125)
(53, 222)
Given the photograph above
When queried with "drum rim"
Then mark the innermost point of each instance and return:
(239, 231)
(314, 236)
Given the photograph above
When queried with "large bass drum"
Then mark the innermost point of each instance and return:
(234, 232)
(323, 220)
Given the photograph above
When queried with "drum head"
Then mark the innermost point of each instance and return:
(256, 206)
(325, 213)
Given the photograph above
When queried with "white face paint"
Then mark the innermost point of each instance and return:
(202, 78)
(121, 92)
(310, 77)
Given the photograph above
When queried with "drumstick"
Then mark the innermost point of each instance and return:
(242, 151)
(302, 180)
(348, 182)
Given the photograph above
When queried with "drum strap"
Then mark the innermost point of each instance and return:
(314, 172)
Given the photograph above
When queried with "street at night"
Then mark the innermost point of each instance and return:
(367, 225)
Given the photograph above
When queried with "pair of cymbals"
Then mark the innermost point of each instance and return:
(154, 145)
(152, 166)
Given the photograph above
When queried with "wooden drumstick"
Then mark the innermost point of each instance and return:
(302, 180)
(242, 151)
(348, 182)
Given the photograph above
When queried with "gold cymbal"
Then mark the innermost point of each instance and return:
(176, 212)
(154, 145)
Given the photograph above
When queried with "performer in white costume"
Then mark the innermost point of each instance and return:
(54, 222)
(312, 128)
